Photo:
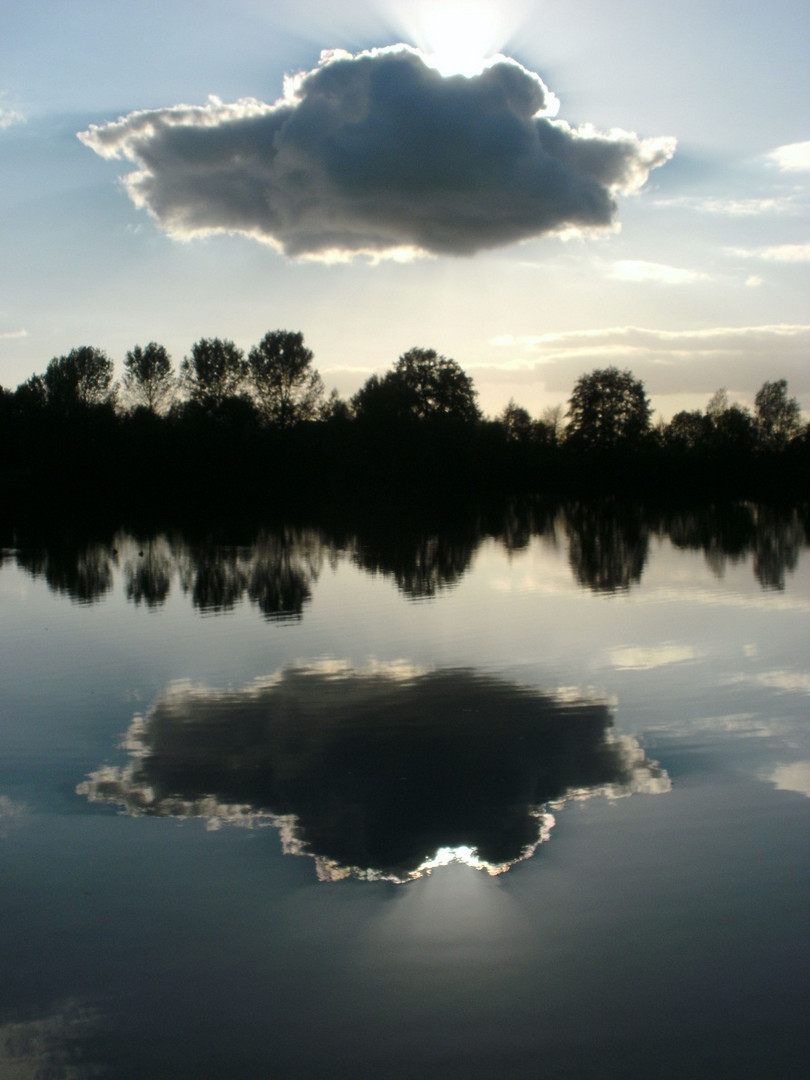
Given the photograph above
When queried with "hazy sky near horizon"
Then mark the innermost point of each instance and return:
(633, 188)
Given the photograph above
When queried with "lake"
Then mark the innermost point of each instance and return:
(510, 793)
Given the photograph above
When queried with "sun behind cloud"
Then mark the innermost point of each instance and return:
(460, 44)
(457, 38)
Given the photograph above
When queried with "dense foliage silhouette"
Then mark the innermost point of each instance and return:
(228, 432)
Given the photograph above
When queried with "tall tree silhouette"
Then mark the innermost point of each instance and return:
(215, 371)
(83, 377)
(778, 417)
(149, 379)
(286, 386)
(516, 423)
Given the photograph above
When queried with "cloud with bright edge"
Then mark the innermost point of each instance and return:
(380, 154)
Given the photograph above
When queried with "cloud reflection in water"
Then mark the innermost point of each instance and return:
(380, 773)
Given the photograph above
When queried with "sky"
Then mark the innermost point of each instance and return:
(534, 189)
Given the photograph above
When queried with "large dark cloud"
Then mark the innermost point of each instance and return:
(377, 772)
(377, 153)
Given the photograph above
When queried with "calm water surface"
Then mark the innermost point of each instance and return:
(521, 797)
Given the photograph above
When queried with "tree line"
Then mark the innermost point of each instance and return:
(262, 422)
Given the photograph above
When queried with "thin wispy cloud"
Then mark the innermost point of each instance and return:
(11, 335)
(380, 154)
(783, 253)
(646, 658)
(657, 273)
(747, 207)
(741, 357)
(784, 681)
(706, 342)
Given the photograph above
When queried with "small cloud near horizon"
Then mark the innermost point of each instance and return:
(9, 115)
(784, 253)
(379, 154)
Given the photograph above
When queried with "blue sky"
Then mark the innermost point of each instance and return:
(682, 254)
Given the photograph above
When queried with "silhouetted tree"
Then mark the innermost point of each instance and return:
(729, 441)
(83, 377)
(552, 420)
(286, 386)
(421, 386)
(7, 410)
(382, 398)
(516, 423)
(335, 408)
(437, 386)
(215, 371)
(731, 431)
(688, 430)
(734, 428)
(717, 403)
(778, 417)
(31, 394)
(608, 408)
(148, 377)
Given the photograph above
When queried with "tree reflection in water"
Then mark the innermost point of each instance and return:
(779, 538)
(148, 569)
(422, 560)
(377, 773)
(80, 569)
(276, 572)
(276, 569)
(607, 545)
